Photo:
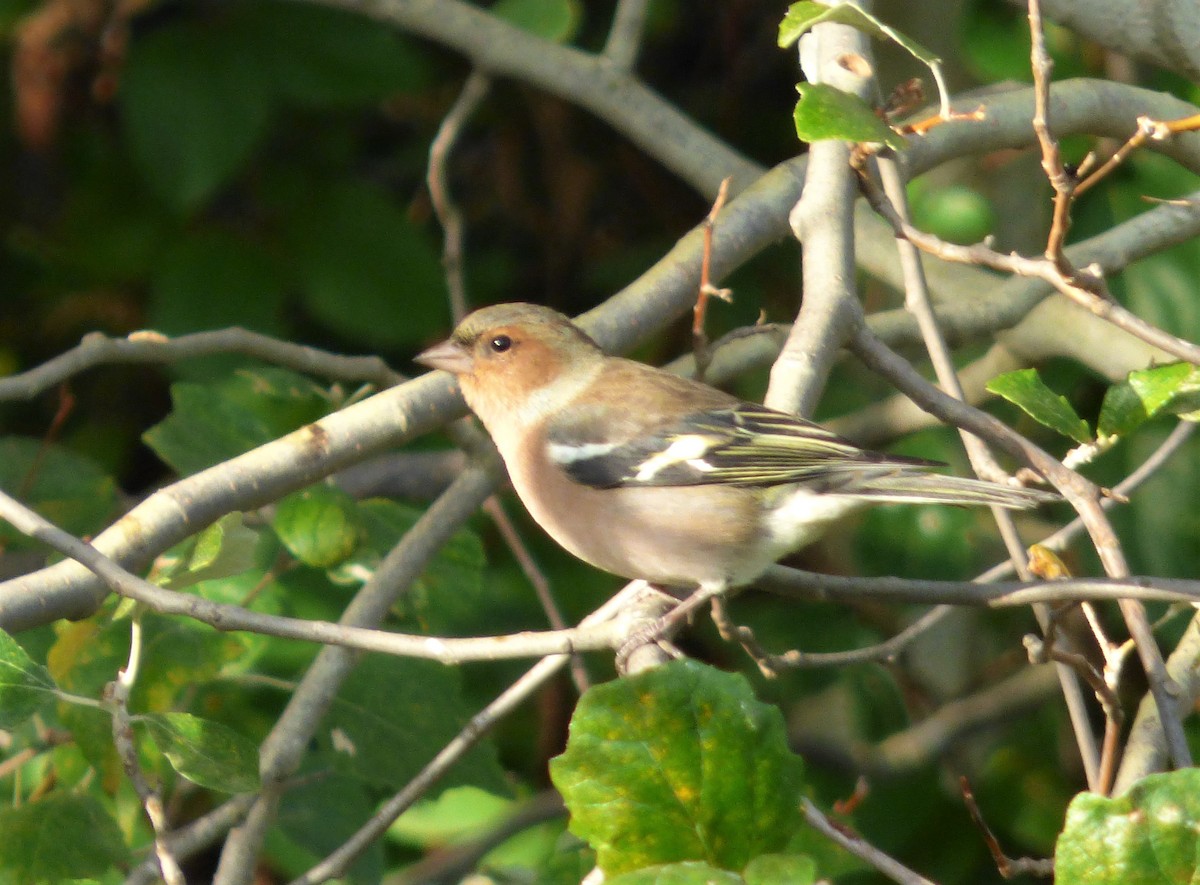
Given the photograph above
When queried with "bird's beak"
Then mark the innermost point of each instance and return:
(450, 356)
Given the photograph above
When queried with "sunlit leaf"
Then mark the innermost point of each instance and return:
(691, 872)
(1150, 835)
(805, 15)
(225, 548)
(1174, 388)
(680, 763)
(1170, 389)
(1026, 389)
(780, 869)
(207, 753)
(824, 112)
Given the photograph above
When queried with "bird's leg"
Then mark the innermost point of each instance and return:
(657, 634)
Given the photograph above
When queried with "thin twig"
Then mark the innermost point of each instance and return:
(225, 616)
(96, 349)
(794, 659)
(1181, 433)
(474, 90)
(797, 584)
(1085, 287)
(1082, 494)
(66, 405)
(1147, 130)
(537, 578)
(117, 703)
(625, 34)
(1008, 867)
(744, 636)
(1146, 750)
(707, 289)
(1060, 180)
(859, 847)
(191, 839)
(919, 304)
(456, 862)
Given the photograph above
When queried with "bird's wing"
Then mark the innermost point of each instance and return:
(741, 444)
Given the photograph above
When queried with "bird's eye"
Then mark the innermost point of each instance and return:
(500, 343)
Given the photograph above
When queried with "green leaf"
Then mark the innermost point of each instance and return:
(213, 422)
(363, 269)
(316, 816)
(195, 105)
(1174, 388)
(1025, 388)
(25, 686)
(58, 838)
(206, 753)
(226, 548)
(111, 228)
(454, 816)
(805, 15)
(214, 279)
(320, 525)
(1147, 393)
(1161, 289)
(83, 659)
(1121, 412)
(178, 655)
(393, 714)
(330, 58)
(1151, 836)
(824, 112)
(66, 488)
(204, 428)
(554, 20)
(678, 763)
(690, 872)
(780, 869)
(994, 41)
(957, 213)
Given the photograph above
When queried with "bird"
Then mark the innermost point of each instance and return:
(653, 476)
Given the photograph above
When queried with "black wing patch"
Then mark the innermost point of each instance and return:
(744, 444)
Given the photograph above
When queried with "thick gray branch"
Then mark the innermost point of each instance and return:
(1162, 32)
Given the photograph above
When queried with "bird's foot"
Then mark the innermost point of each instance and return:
(649, 645)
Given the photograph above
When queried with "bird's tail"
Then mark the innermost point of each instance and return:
(929, 488)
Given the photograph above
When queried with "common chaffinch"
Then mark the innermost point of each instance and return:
(648, 475)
